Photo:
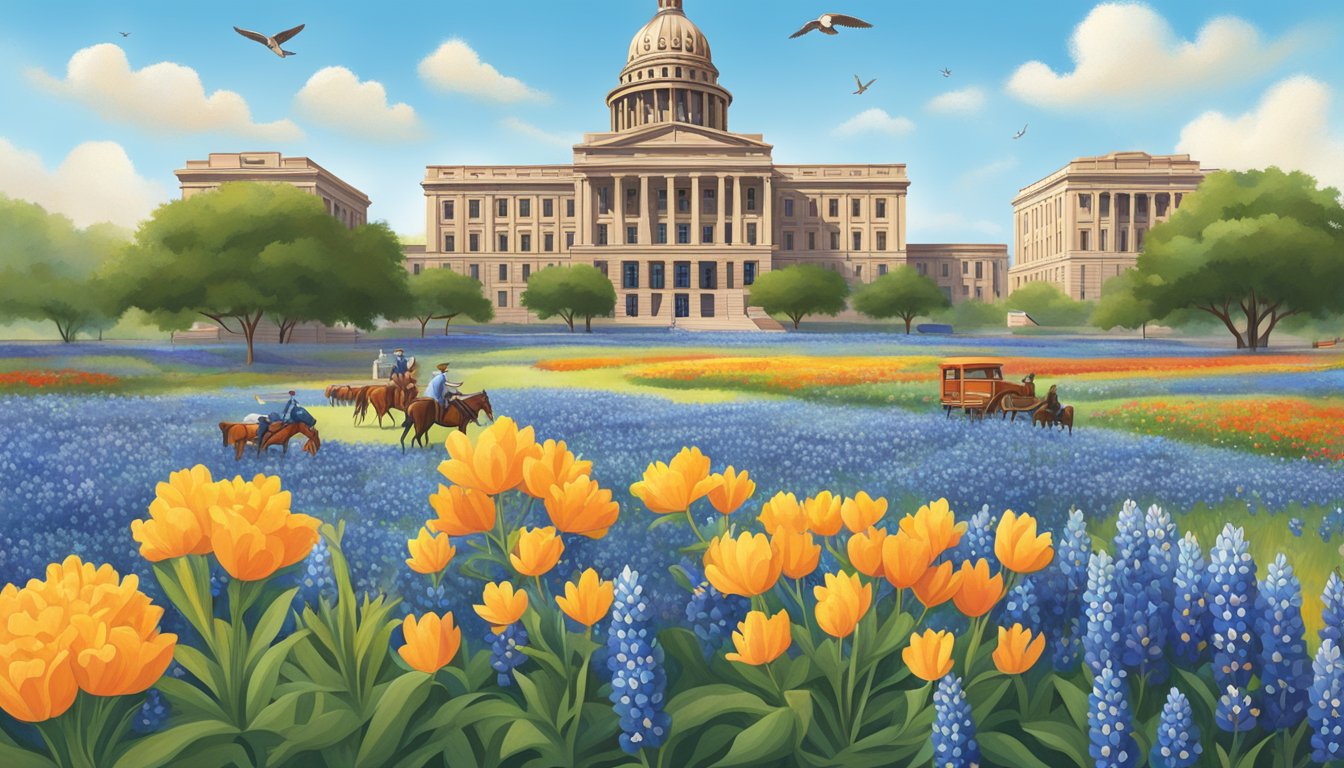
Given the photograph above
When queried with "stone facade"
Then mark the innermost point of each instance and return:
(341, 199)
(1086, 222)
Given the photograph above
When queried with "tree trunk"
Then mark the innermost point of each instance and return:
(423, 323)
(796, 320)
(569, 320)
(448, 321)
(908, 320)
(1145, 330)
(587, 324)
(249, 333)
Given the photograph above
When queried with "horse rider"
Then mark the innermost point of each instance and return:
(288, 415)
(446, 393)
(1052, 404)
(400, 377)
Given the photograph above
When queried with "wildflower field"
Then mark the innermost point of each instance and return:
(620, 575)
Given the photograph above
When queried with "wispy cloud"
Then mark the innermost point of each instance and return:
(967, 101)
(875, 121)
(96, 182)
(540, 135)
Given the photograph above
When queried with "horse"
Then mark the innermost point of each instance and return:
(339, 394)
(384, 398)
(1064, 420)
(285, 432)
(238, 436)
(424, 413)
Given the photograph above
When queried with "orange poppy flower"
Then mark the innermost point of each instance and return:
(462, 511)
(1017, 546)
(862, 512)
(1017, 650)
(905, 558)
(746, 566)
(734, 491)
(760, 639)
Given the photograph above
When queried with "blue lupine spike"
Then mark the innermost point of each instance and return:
(1101, 639)
(505, 652)
(1021, 606)
(1232, 598)
(1060, 592)
(638, 681)
(1332, 609)
(1177, 744)
(954, 744)
(714, 616)
(978, 541)
(1143, 613)
(1285, 672)
(1326, 713)
(1110, 726)
(1188, 610)
(1163, 537)
(1236, 711)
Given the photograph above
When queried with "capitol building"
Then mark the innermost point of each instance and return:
(679, 211)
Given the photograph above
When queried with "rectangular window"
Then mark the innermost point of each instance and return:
(855, 208)
(569, 239)
(632, 305)
(751, 234)
(833, 207)
(881, 241)
(710, 202)
(476, 272)
(1138, 234)
(447, 210)
(858, 270)
(707, 234)
(1084, 240)
(1101, 241)
(474, 243)
(503, 243)
(980, 294)
(811, 241)
(569, 207)
(548, 208)
(788, 207)
(601, 234)
(965, 267)
(662, 234)
(945, 269)
(683, 201)
(415, 269)
(527, 272)
(657, 276)
(525, 243)
(729, 276)
(503, 273)
(709, 275)
(748, 272)
(632, 235)
(681, 274)
(979, 270)
(449, 243)
(629, 274)
(1105, 205)
(502, 207)
(1124, 240)
(881, 212)
(858, 240)
(812, 207)
(525, 207)
(706, 305)
(503, 298)
(662, 200)
(603, 200)
(632, 200)
(474, 209)
(683, 234)
(882, 269)
(682, 305)
(728, 234)
(548, 242)
(751, 199)
(1085, 201)
(788, 241)
(835, 241)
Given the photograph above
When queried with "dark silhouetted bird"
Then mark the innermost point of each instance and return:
(827, 22)
(863, 87)
(124, 34)
(273, 42)
(1020, 133)
(946, 72)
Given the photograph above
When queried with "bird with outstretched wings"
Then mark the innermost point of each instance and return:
(863, 87)
(1021, 133)
(827, 22)
(274, 41)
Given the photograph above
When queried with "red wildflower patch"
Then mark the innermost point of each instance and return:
(62, 379)
(1280, 426)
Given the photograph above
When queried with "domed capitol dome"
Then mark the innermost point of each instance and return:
(669, 76)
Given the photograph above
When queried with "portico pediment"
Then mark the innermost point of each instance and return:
(671, 137)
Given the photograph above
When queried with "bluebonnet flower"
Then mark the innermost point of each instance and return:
(1332, 609)
(1327, 704)
(1232, 598)
(153, 713)
(505, 653)
(1285, 672)
(635, 658)
(954, 743)
(1022, 606)
(1101, 640)
(714, 616)
(1110, 726)
(1236, 711)
(978, 541)
(1295, 526)
(1332, 524)
(1141, 618)
(316, 579)
(1064, 581)
(1188, 609)
(1177, 744)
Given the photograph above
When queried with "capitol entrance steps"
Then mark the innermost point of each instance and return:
(762, 320)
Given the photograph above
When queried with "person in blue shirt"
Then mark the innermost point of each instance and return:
(400, 365)
(445, 392)
(288, 415)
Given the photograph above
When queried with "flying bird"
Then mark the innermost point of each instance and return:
(124, 34)
(827, 23)
(1020, 133)
(863, 87)
(946, 72)
(274, 42)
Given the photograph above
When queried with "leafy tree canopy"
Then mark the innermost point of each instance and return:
(442, 294)
(1048, 305)
(570, 292)
(902, 293)
(799, 291)
(974, 313)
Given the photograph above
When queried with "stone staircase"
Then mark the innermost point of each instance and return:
(763, 321)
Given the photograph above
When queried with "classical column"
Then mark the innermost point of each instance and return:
(739, 228)
(696, 205)
(644, 216)
(768, 203)
(720, 200)
(671, 209)
(489, 245)
(585, 211)
(618, 191)
(704, 109)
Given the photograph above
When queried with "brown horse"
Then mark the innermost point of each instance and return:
(384, 398)
(340, 394)
(424, 413)
(239, 436)
(287, 432)
(1043, 419)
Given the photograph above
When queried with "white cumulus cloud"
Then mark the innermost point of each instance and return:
(1290, 128)
(456, 67)
(875, 121)
(539, 135)
(163, 97)
(336, 98)
(1127, 52)
(96, 182)
(967, 101)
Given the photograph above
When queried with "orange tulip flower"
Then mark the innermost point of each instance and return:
(746, 566)
(841, 602)
(462, 511)
(798, 555)
(430, 553)
(760, 639)
(588, 600)
(936, 524)
(537, 551)
(581, 506)
(865, 551)
(783, 511)
(939, 584)
(431, 641)
(37, 681)
(929, 656)
(253, 532)
(556, 465)
(179, 516)
(673, 487)
(979, 592)
(905, 558)
(736, 488)
(1017, 651)
(117, 660)
(862, 512)
(495, 463)
(501, 605)
(1018, 547)
(823, 513)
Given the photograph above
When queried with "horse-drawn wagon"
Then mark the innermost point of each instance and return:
(976, 385)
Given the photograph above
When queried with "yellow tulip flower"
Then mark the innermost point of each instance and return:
(823, 513)
(179, 516)
(1017, 651)
(117, 660)
(939, 584)
(905, 558)
(673, 487)
(1018, 547)
(841, 602)
(537, 551)
(462, 511)
(581, 506)
(431, 641)
(253, 532)
(733, 492)
(746, 566)
(929, 656)
(979, 592)
(798, 555)
(783, 512)
(501, 605)
(495, 463)
(760, 639)
(556, 465)
(588, 600)
(430, 553)
(936, 524)
(862, 512)
(865, 551)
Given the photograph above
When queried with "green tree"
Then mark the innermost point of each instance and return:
(974, 313)
(902, 293)
(442, 294)
(49, 269)
(1251, 249)
(1120, 306)
(247, 251)
(1048, 305)
(570, 293)
(799, 291)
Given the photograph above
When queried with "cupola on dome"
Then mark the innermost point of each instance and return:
(669, 32)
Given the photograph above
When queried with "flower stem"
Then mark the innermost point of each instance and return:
(977, 628)
(851, 683)
(691, 519)
(802, 606)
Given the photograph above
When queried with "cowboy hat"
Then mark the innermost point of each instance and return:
(291, 392)
(398, 351)
(442, 366)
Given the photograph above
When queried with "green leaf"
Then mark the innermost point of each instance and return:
(200, 667)
(769, 738)
(402, 697)
(1002, 749)
(14, 756)
(523, 735)
(186, 698)
(1064, 738)
(1075, 699)
(1248, 760)
(160, 748)
(697, 706)
(261, 682)
(801, 704)
(269, 625)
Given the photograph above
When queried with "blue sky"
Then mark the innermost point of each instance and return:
(1238, 83)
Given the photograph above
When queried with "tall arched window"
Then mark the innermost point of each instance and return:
(751, 198)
